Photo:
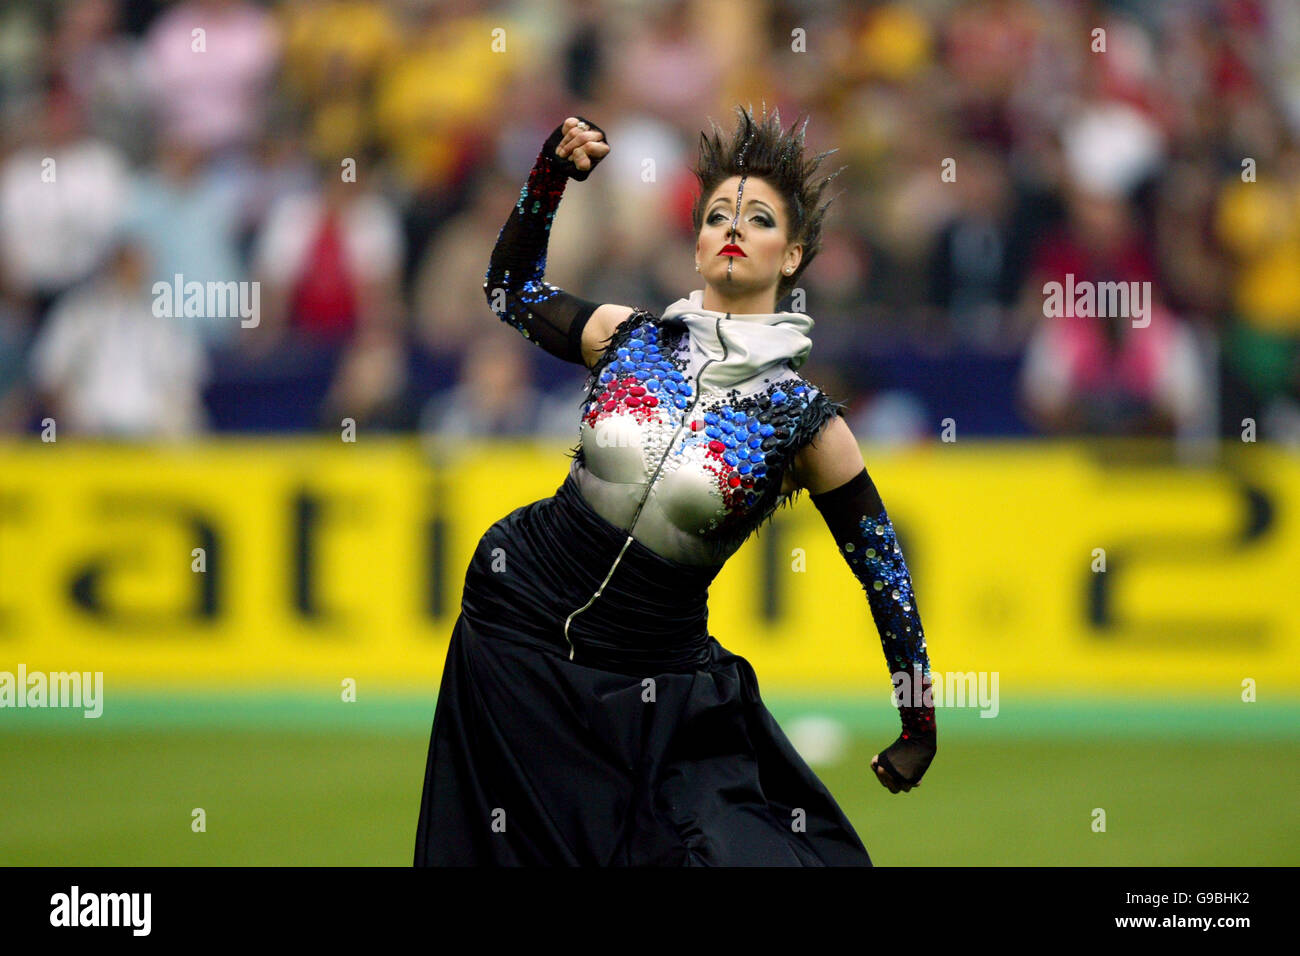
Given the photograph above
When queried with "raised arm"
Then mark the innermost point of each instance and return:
(514, 287)
(831, 468)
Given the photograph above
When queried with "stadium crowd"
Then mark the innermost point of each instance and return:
(353, 162)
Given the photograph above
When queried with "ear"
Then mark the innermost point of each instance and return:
(794, 255)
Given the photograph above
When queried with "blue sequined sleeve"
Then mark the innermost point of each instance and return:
(861, 527)
(514, 285)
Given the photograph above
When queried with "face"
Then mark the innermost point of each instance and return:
(760, 228)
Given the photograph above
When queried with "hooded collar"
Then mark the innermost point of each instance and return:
(751, 343)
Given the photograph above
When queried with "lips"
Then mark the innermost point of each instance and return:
(731, 249)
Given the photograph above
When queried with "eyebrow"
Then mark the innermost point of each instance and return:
(728, 201)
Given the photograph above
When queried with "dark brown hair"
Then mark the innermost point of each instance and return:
(760, 148)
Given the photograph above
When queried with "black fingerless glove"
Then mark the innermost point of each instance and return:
(861, 527)
(513, 285)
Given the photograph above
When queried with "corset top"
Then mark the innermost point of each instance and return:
(714, 456)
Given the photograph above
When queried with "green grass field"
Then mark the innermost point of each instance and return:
(285, 781)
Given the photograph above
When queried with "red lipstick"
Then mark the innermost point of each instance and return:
(731, 249)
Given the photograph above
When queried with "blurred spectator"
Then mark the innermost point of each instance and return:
(106, 365)
(1259, 225)
(334, 53)
(1102, 376)
(496, 398)
(329, 260)
(972, 274)
(186, 222)
(207, 65)
(98, 65)
(61, 202)
(438, 96)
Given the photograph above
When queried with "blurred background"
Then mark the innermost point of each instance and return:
(355, 159)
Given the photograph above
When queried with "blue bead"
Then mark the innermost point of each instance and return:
(766, 430)
(729, 458)
(754, 424)
(652, 385)
(623, 353)
(713, 431)
(671, 387)
(638, 355)
(755, 442)
(679, 402)
(710, 418)
(686, 390)
(728, 441)
(744, 468)
(642, 374)
(676, 376)
(607, 376)
(778, 397)
(636, 343)
(728, 428)
(760, 469)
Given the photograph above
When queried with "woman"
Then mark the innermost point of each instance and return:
(586, 716)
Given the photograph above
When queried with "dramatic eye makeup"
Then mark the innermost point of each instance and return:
(766, 218)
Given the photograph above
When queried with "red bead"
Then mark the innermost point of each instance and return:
(633, 401)
(637, 390)
(620, 394)
(733, 481)
(610, 406)
(717, 446)
(650, 401)
(695, 426)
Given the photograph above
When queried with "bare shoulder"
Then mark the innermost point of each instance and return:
(599, 328)
(829, 460)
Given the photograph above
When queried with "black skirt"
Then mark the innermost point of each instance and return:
(651, 747)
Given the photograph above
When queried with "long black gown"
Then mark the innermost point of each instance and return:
(651, 747)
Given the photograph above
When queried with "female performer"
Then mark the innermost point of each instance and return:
(586, 716)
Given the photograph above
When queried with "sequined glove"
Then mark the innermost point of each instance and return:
(515, 290)
(861, 527)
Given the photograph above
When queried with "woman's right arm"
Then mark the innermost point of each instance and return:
(564, 325)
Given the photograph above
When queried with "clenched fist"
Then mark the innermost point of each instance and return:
(579, 145)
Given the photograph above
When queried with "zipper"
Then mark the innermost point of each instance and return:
(672, 443)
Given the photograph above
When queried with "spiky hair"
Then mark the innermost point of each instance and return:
(760, 148)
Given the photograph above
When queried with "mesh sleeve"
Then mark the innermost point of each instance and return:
(514, 287)
(861, 527)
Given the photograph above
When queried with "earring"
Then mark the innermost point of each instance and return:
(697, 267)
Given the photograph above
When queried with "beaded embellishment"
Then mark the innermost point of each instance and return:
(747, 442)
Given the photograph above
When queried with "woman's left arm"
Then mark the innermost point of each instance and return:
(832, 469)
